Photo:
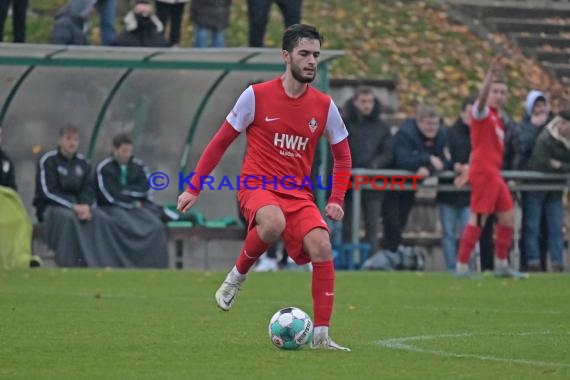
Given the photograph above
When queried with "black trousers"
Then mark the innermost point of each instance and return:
(371, 209)
(396, 209)
(487, 244)
(258, 14)
(173, 13)
(19, 9)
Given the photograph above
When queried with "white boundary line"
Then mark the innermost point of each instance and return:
(484, 309)
(400, 344)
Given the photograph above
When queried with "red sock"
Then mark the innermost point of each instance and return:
(253, 248)
(503, 241)
(323, 292)
(468, 242)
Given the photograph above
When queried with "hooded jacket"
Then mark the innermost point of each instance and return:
(550, 145)
(531, 99)
(71, 23)
(141, 32)
(369, 137)
(527, 133)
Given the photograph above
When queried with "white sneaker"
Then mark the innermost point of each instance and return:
(462, 270)
(326, 343)
(507, 272)
(266, 264)
(227, 293)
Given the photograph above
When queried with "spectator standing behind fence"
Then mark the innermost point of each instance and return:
(210, 19)
(171, 12)
(370, 142)
(142, 28)
(19, 10)
(107, 16)
(551, 153)
(454, 206)
(123, 194)
(537, 116)
(64, 199)
(71, 23)
(420, 146)
(258, 15)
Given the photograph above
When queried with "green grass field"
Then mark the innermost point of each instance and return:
(76, 324)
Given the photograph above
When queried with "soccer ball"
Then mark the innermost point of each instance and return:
(290, 328)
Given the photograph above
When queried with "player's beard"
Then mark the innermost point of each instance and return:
(297, 73)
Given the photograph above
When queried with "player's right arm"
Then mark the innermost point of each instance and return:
(480, 110)
(237, 121)
(208, 161)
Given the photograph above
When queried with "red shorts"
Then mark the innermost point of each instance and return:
(489, 194)
(301, 216)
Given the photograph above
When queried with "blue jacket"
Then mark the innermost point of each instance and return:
(412, 150)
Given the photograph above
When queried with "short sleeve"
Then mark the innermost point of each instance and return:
(335, 129)
(241, 116)
(479, 115)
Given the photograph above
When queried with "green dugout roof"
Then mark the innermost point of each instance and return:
(172, 101)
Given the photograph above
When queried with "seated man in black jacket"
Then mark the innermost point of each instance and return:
(419, 146)
(64, 199)
(123, 194)
(121, 178)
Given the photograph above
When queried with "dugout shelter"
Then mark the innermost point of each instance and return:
(172, 101)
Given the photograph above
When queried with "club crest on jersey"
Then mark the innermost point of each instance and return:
(61, 170)
(313, 125)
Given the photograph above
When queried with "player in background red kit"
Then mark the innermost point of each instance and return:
(283, 120)
(490, 194)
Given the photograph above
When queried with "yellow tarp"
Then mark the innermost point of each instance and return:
(15, 231)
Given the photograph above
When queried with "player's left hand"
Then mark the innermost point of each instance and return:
(334, 211)
(496, 64)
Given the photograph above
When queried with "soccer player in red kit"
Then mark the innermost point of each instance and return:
(283, 120)
(489, 192)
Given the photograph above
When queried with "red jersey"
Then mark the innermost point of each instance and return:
(487, 142)
(283, 134)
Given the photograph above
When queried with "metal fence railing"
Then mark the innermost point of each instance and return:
(519, 181)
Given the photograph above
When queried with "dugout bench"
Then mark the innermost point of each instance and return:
(181, 232)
